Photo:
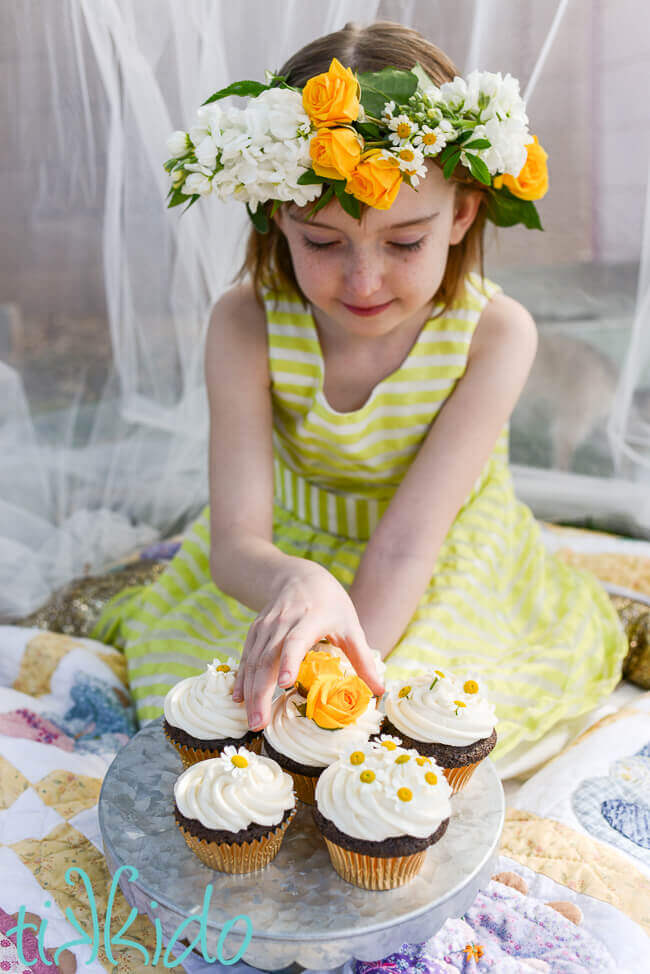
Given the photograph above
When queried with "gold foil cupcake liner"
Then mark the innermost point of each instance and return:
(458, 777)
(192, 755)
(374, 872)
(238, 857)
(305, 786)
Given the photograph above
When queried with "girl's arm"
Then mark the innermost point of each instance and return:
(400, 557)
(298, 601)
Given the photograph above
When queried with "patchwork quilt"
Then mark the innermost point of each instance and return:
(570, 895)
(571, 892)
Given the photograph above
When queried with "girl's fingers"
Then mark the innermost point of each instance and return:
(296, 645)
(238, 685)
(261, 673)
(360, 655)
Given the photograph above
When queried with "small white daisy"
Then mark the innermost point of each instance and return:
(410, 158)
(236, 759)
(388, 111)
(402, 128)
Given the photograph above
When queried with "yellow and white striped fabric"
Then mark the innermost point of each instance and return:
(544, 636)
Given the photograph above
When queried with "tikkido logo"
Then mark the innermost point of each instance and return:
(118, 940)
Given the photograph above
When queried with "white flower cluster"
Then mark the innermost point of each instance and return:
(254, 154)
(488, 102)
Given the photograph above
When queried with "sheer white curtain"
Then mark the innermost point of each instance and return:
(105, 295)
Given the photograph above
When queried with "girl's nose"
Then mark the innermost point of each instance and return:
(364, 274)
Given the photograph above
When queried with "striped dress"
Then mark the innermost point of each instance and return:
(544, 636)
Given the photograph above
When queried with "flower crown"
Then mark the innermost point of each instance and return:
(358, 138)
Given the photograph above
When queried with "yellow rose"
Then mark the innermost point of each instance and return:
(532, 181)
(376, 180)
(334, 152)
(316, 663)
(332, 98)
(335, 702)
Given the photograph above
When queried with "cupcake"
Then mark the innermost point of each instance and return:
(379, 808)
(201, 717)
(233, 810)
(312, 726)
(444, 719)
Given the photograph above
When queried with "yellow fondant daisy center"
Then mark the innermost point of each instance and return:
(405, 794)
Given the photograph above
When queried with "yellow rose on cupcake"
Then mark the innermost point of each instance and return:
(316, 663)
(532, 181)
(332, 98)
(333, 702)
(376, 180)
(335, 152)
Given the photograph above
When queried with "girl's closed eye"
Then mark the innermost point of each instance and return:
(323, 244)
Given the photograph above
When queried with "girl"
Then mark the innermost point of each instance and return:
(360, 381)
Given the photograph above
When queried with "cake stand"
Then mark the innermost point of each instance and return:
(302, 913)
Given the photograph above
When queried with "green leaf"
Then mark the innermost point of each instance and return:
(322, 201)
(479, 170)
(505, 210)
(242, 88)
(349, 203)
(309, 178)
(170, 164)
(191, 202)
(259, 218)
(369, 130)
(301, 708)
(448, 151)
(451, 163)
(176, 201)
(274, 209)
(423, 79)
(389, 84)
(478, 144)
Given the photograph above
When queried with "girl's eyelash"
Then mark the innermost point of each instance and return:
(400, 246)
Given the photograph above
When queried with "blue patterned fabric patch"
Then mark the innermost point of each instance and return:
(630, 819)
(616, 809)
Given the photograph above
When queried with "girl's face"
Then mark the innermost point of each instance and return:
(368, 278)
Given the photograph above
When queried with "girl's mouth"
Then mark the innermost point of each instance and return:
(367, 310)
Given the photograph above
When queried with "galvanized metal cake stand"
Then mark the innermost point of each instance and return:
(302, 913)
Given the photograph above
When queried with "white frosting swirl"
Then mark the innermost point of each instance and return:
(301, 739)
(442, 713)
(221, 795)
(379, 809)
(203, 705)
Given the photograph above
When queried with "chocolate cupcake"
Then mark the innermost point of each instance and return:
(379, 808)
(233, 810)
(201, 717)
(444, 719)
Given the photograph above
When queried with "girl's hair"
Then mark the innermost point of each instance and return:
(380, 45)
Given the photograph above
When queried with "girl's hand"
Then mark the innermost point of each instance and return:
(309, 605)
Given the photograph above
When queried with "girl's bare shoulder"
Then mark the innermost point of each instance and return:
(237, 335)
(504, 320)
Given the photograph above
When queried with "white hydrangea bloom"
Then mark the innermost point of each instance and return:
(195, 183)
(177, 144)
(456, 95)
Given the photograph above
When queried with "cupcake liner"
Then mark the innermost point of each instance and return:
(238, 857)
(374, 872)
(458, 777)
(192, 755)
(305, 785)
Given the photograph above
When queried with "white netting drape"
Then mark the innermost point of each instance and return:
(105, 295)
